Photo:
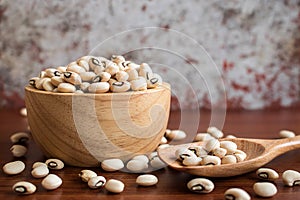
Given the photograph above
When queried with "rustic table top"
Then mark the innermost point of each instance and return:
(172, 184)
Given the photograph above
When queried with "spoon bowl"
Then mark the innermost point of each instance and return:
(259, 152)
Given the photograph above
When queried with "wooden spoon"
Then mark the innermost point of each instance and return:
(259, 152)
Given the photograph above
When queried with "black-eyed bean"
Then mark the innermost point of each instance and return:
(202, 137)
(19, 137)
(240, 155)
(138, 84)
(215, 132)
(86, 174)
(229, 159)
(56, 80)
(143, 158)
(146, 180)
(210, 145)
(50, 72)
(18, 150)
(175, 135)
(47, 85)
(136, 165)
(132, 74)
(84, 86)
(123, 65)
(199, 151)
(265, 189)
(54, 163)
(117, 59)
(230, 146)
(120, 86)
(24, 188)
(13, 168)
(286, 134)
(96, 182)
(84, 64)
(200, 185)
(95, 62)
(133, 65)
(51, 182)
(74, 67)
(37, 164)
(111, 165)
(220, 152)
(33, 81)
(111, 68)
(267, 174)
(163, 140)
(99, 69)
(40, 171)
(39, 83)
(211, 160)
(87, 76)
(114, 186)
(72, 77)
(192, 160)
(236, 194)
(183, 152)
(121, 76)
(154, 81)
(145, 71)
(66, 88)
(61, 69)
(100, 87)
(102, 77)
(291, 178)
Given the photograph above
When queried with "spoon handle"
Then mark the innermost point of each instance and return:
(280, 146)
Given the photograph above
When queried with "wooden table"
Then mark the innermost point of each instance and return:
(172, 184)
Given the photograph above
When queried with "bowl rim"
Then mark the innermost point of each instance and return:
(164, 86)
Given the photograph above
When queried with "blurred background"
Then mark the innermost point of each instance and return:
(243, 54)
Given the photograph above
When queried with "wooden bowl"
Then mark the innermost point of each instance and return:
(84, 129)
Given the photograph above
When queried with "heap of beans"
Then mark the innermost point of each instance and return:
(90, 74)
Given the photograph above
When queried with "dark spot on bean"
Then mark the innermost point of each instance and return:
(297, 182)
(32, 82)
(154, 80)
(197, 188)
(113, 57)
(56, 73)
(52, 164)
(20, 189)
(100, 183)
(95, 61)
(263, 175)
(229, 197)
(211, 163)
(118, 84)
(97, 79)
(103, 64)
(67, 74)
(184, 155)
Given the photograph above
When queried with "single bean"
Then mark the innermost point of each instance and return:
(211, 160)
(120, 86)
(74, 67)
(265, 189)
(40, 171)
(13, 168)
(51, 182)
(18, 150)
(100, 87)
(136, 165)
(86, 175)
(96, 182)
(146, 180)
(111, 165)
(121, 76)
(114, 186)
(215, 132)
(286, 134)
(54, 163)
(200, 185)
(236, 194)
(291, 178)
(66, 88)
(267, 174)
(138, 84)
(72, 77)
(24, 188)
(19, 137)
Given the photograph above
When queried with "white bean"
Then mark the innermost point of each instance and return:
(136, 165)
(265, 189)
(286, 134)
(51, 182)
(267, 174)
(18, 150)
(200, 185)
(146, 180)
(19, 137)
(215, 132)
(176, 135)
(24, 188)
(138, 84)
(100, 87)
(111, 165)
(96, 182)
(291, 178)
(114, 186)
(74, 67)
(236, 194)
(54, 163)
(86, 175)
(66, 88)
(40, 171)
(13, 168)
(120, 86)
(72, 77)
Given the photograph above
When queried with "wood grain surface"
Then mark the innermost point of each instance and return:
(172, 184)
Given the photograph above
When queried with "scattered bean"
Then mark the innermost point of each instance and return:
(146, 180)
(267, 174)
(111, 165)
(176, 135)
(18, 150)
(215, 132)
(56, 164)
(236, 194)
(200, 185)
(86, 174)
(96, 182)
(286, 134)
(13, 168)
(24, 188)
(23, 112)
(40, 171)
(37, 164)
(264, 189)
(114, 186)
(19, 137)
(291, 178)
(136, 165)
(51, 182)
